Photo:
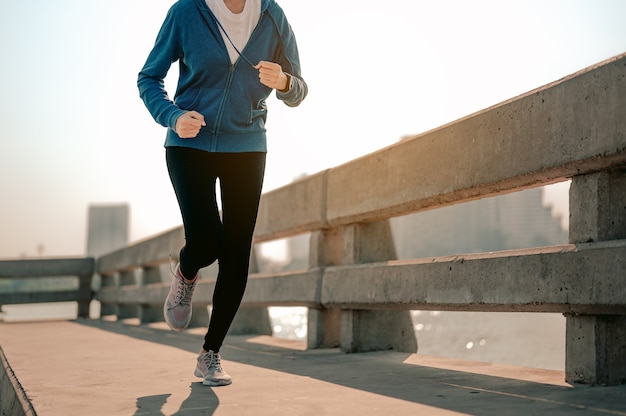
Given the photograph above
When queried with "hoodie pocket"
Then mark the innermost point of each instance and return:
(237, 115)
(205, 101)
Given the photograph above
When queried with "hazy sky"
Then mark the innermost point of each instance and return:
(74, 131)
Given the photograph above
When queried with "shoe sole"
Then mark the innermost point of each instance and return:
(217, 383)
(213, 383)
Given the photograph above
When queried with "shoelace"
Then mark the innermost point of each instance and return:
(184, 293)
(212, 359)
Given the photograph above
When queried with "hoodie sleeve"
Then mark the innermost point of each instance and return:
(289, 60)
(150, 81)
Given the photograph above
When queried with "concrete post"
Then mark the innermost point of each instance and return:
(377, 330)
(598, 207)
(251, 320)
(107, 309)
(125, 311)
(107, 230)
(372, 330)
(199, 316)
(323, 325)
(323, 328)
(596, 344)
(85, 295)
(595, 350)
(358, 330)
(150, 312)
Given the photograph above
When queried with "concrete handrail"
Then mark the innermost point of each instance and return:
(83, 268)
(482, 282)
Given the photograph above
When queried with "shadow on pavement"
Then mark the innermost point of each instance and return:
(151, 405)
(385, 373)
(198, 401)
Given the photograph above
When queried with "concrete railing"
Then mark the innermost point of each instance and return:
(82, 268)
(359, 295)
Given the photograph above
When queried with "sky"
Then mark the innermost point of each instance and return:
(74, 132)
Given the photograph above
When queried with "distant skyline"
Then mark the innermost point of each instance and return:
(74, 131)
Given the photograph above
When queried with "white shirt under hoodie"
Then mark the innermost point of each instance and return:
(238, 26)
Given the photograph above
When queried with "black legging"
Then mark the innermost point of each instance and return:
(207, 237)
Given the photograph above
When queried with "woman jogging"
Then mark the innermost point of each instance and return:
(231, 54)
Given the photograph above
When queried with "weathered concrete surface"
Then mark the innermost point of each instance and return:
(296, 208)
(47, 267)
(588, 278)
(82, 268)
(152, 252)
(548, 279)
(595, 349)
(597, 208)
(289, 289)
(596, 344)
(109, 368)
(573, 126)
(13, 399)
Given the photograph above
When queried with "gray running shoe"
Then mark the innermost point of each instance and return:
(209, 368)
(177, 307)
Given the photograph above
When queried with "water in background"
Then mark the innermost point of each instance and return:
(524, 339)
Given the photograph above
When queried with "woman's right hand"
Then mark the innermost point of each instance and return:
(189, 124)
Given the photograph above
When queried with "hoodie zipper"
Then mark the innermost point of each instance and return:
(220, 111)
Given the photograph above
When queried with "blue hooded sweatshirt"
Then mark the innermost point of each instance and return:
(229, 96)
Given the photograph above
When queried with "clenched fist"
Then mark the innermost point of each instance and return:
(189, 124)
(272, 75)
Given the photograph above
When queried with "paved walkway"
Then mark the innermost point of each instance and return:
(113, 368)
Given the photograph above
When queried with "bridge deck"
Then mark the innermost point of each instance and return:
(114, 368)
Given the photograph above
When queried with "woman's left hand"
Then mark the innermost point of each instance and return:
(272, 75)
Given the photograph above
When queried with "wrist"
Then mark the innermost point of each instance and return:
(288, 83)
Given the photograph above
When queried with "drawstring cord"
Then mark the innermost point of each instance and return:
(231, 42)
